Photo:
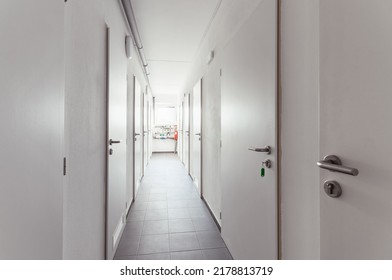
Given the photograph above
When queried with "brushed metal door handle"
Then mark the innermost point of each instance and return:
(111, 142)
(266, 149)
(334, 164)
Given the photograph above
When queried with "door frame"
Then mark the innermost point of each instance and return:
(133, 138)
(107, 82)
(279, 125)
(188, 96)
(201, 137)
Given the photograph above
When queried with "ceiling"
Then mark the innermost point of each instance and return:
(171, 32)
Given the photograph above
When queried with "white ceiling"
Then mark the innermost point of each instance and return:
(171, 32)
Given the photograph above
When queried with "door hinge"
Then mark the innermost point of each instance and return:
(221, 143)
(220, 72)
(220, 215)
(65, 166)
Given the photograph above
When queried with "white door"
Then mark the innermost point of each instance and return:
(186, 133)
(32, 125)
(355, 125)
(138, 139)
(196, 134)
(249, 201)
(117, 157)
(180, 132)
(145, 132)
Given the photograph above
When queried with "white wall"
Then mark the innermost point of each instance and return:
(211, 136)
(32, 129)
(84, 193)
(230, 16)
(299, 130)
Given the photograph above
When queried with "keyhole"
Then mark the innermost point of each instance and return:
(330, 188)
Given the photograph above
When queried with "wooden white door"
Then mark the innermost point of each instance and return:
(248, 83)
(32, 129)
(196, 135)
(186, 133)
(117, 157)
(180, 131)
(145, 132)
(138, 138)
(355, 125)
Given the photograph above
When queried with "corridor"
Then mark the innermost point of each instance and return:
(168, 219)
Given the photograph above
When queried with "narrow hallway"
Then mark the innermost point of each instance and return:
(168, 219)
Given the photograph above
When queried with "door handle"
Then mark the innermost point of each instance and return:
(198, 134)
(266, 149)
(111, 142)
(334, 164)
(137, 134)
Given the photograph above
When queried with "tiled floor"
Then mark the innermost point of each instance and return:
(168, 219)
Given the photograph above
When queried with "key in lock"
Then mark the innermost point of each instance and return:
(266, 164)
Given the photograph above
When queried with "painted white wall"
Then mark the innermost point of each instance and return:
(300, 211)
(211, 136)
(84, 194)
(230, 16)
(85, 118)
(32, 129)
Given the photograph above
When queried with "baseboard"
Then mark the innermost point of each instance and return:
(212, 214)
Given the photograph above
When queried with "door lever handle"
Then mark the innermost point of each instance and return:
(334, 164)
(111, 142)
(137, 134)
(266, 149)
(198, 134)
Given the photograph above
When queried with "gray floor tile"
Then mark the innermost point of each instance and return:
(155, 205)
(187, 255)
(142, 197)
(125, 258)
(181, 225)
(198, 213)
(167, 201)
(179, 213)
(204, 224)
(139, 205)
(152, 244)
(183, 242)
(158, 191)
(136, 215)
(156, 215)
(155, 227)
(163, 256)
(195, 203)
(158, 197)
(174, 204)
(217, 254)
(133, 228)
(143, 191)
(210, 239)
(128, 246)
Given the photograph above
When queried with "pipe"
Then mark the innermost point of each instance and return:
(127, 6)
